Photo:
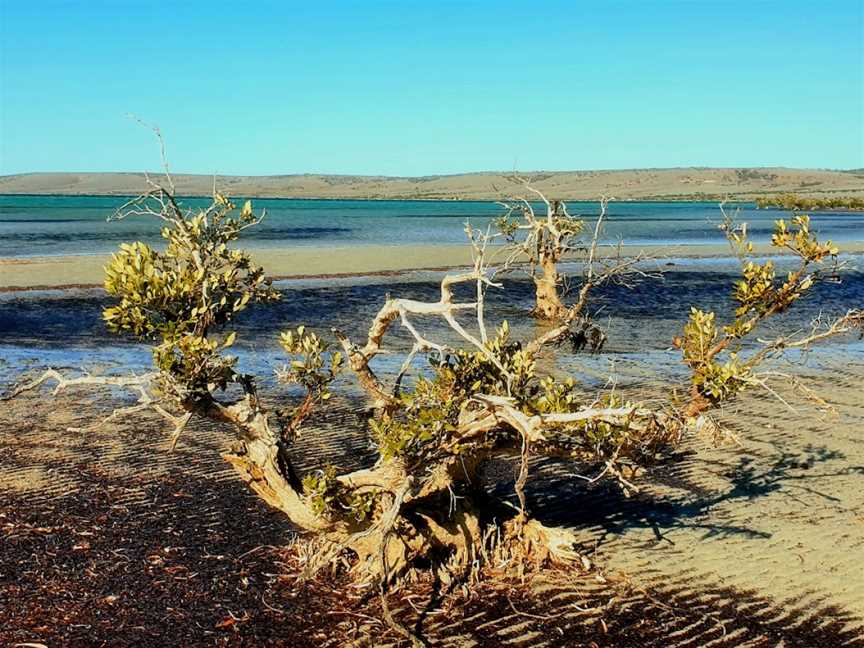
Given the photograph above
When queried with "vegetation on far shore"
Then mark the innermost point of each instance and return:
(694, 183)
(794, 202)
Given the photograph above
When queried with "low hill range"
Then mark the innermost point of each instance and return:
(693, 183)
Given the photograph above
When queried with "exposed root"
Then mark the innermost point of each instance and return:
(142, 385)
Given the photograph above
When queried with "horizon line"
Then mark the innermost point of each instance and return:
(514, 172)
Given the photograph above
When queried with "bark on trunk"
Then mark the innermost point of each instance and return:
(548, 304)
(444, 523)
(262, 461)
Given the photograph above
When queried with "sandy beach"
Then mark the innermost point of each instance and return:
(88, 271)
(722, 546)
(373, 327)
(758, 545)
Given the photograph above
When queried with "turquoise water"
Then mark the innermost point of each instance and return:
(60, 225)
(64, 328)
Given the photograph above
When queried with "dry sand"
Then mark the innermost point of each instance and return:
(760, 545)
(657, 184)
(83, 270)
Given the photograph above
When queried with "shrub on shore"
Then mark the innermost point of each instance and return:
(423, 506)
(794, 202)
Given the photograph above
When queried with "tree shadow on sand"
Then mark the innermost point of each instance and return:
(138, 561)
(141, 553)
(674, 493)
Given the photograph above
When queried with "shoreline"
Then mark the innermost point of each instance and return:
(664, 184)
(87, 271)
(706, 198)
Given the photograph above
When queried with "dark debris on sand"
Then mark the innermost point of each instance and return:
(198, 562)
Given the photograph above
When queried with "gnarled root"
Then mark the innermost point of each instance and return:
(531, 543)
(257, 462)
(457, 549)
(418, 540)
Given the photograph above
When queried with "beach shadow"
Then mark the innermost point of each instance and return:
(674, 493)
(176, 548)
(188, 559)
(667, 614)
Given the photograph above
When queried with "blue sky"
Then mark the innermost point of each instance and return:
(414, 88)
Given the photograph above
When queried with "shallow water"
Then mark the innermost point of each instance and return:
(63, 328)
(63, 225)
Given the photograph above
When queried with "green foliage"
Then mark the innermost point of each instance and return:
(754, 290)
(793, 202)
(178, 296)
(328, 498)
(407, 437)
(471, 372)
(557, 396)
(715, 381)
(309, 357)
(601, 437)
(430, 411)
(801, 240)
(720, 382)
(700, 335)
(426, 426)
(184, 297)
(758, 294)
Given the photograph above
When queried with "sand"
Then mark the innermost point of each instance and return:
(653, 184)
(758, 545)
(17, 273)
(110, 537)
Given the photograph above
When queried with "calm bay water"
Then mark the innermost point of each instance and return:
(60, 225)
(64, 328)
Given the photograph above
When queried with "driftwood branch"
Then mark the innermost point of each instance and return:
(140, 384)
(401, 310)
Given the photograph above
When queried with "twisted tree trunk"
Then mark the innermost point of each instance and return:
(548, 304)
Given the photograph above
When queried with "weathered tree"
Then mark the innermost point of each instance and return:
(423, 504)
(544, 242)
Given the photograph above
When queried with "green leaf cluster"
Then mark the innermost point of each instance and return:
(801, 240)
(179, 296)
(329, 498)
(472, 372)
(758, 294)
(557, 396)
(430, 411)
(754, 290)
(720, 382)
(313, 364)
(715, 381)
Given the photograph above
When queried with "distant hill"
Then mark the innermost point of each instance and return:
(646, 184)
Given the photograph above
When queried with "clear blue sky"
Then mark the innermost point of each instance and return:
(412, 88)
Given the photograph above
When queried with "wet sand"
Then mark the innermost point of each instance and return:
(107, 537)
(88, 271)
